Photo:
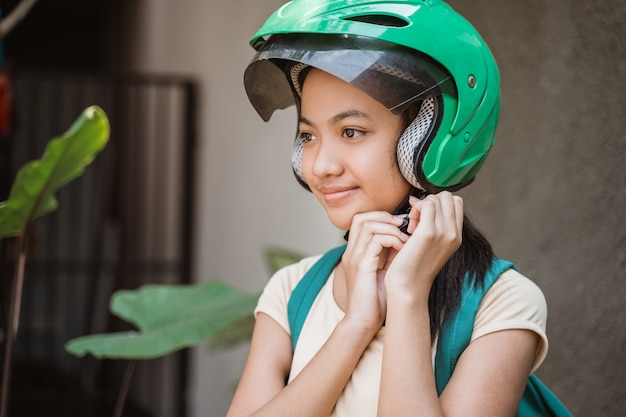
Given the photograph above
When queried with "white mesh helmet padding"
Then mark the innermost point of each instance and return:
(411, 139)
(296, 157)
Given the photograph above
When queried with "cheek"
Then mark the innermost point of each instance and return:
(383, 173)
(396, 187)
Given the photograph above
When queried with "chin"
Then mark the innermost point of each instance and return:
(342, 222)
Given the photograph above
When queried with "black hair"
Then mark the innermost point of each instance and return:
(471, 261)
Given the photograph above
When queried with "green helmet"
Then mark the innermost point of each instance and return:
(399, 52)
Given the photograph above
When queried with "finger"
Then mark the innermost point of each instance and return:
(373, 254)
(451, 218)
(369, 224)
(375, 216)
(364, 234)
(414, 214)
(427, 214)
(458, 202)
(448, 207)
(381, 247)
(452, 206)
(362, 219)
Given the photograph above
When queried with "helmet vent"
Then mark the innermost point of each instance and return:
(380, 20)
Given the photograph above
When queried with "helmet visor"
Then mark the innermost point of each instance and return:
(392, 74)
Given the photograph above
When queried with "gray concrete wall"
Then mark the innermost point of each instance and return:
(552, 195)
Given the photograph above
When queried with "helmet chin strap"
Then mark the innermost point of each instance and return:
(403, 208)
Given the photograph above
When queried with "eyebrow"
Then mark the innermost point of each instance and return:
(340, 116)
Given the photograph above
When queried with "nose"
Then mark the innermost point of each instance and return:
(325, 157)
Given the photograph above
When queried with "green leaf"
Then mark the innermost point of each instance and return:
(169, 318)
(237, 332)
(64, 159)
(277, 258)
(172, 317)
(241, 331)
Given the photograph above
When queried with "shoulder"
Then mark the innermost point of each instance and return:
(514, 292)
(513, 297)
(513, 302)
(286, 279)
(275, 295)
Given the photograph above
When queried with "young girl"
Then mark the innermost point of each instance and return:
(397, 104)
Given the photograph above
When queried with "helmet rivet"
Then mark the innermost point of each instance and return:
(467, 137)
(471, 81)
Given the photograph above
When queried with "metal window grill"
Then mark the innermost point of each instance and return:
(125, 222)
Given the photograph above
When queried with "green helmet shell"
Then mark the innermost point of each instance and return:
(458, 148)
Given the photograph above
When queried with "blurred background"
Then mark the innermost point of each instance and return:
(193, 185)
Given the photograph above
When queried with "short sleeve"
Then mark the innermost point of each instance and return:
(514, 302)
(275, 295)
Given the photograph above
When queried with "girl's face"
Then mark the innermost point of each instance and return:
(349, 158)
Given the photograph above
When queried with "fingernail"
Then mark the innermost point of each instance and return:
(399, 218)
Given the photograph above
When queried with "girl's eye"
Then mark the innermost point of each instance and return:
(305, 137)
(351, 133)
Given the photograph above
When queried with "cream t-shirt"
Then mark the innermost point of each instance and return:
(513, 302)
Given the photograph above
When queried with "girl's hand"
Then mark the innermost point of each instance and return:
(436, 225)
(374, 240)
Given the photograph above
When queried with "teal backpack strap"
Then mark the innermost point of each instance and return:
(539, 401)
(456, 331)
(306, 291)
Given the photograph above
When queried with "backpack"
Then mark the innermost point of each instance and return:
(454, 337)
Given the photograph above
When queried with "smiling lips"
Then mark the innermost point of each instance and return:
(336, 194)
